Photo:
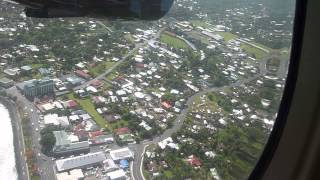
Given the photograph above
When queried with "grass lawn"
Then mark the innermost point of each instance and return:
(111, 75)
(35, 178)
(252, 51)
(119, 124)
(100, 68)
(227, 36)
(173, 41)
(263, 46)
(198, 36)
(87, 105)
(200, 23)
(36, 66)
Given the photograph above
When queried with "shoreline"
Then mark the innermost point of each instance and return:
(17, 137)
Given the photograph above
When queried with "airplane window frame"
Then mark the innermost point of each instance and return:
(265, 162)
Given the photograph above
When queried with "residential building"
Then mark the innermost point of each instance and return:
(13, 72)
(65, 145)
(5, 82)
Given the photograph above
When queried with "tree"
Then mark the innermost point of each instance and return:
(168, 97)
(47, 142)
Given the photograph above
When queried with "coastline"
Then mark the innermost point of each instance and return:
(17, 137)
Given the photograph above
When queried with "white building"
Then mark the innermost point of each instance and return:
(75, 174)
(77, 162)
(123, 153)
(54, 119)
(117, 175)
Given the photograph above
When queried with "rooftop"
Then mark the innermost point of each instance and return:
(80, 161)
(119, 154)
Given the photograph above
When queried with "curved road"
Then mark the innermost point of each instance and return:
(140, 148)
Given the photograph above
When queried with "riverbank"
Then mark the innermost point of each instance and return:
(18, 140)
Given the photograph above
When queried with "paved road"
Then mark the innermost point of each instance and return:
(109, 29)
(21, 166)
(45, 164)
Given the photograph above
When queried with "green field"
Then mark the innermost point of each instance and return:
(198, 36)
(35, 178)
(227, 36)
(119, 124)
(173, 41)
(263, 46)
(200, 23)
(87, 105)
(111, 75)
(252, 51)
(101, 67)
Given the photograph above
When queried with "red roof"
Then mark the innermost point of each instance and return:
(81, 133)
(92, 64)
(193, 161)
(71, 104)
(95, 133)
(82, 74)
(166, 104)
(139, 65)
(123, 130)
(78, 127)
(119, 78)
(96, 83)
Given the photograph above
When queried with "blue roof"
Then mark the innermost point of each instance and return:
(124, 164)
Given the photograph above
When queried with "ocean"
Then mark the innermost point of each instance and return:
(7, 155)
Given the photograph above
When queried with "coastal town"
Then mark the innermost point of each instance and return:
(186, 97)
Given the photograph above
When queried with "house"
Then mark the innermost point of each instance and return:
(54, 119)
(124, 130)
(98, 100)
(152, 167)
(145, 126)
(6, 82)
(82, 93)
(95, 133)
(44, 71)
(13, 72)
(193, 161)
(96, 83)
(167, 142)
(102, 139)
(74, 118)
(74, 81)
(81, 162)
(215, 174)
(166, 104)
(70, 104)
(82, 74)
(26, 69)
(91, 89)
